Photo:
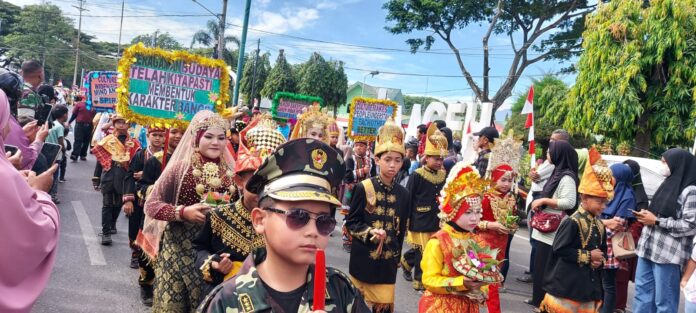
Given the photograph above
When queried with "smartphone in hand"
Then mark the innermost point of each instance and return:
(11, 149)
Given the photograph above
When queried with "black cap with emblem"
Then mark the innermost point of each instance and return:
(299, 170)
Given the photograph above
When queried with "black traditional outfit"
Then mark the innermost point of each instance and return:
(374, 205)
(424, 188)
(228, 229)
(113, 154)
(572, 284)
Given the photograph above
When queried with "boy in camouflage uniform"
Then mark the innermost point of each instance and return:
(294, 186)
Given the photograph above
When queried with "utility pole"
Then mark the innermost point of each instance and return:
(240, 63)
(253, 80)
(154, 39)
(77, 50)
(221, 40)
(120, 29)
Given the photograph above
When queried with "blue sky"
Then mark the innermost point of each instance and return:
(357, 22)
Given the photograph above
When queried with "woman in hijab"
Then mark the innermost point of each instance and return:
(666, 241)
(29, 228)
(627, 271)
(559, 195)
(615, 218)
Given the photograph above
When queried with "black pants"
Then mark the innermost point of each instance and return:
(412, 259)
(112, 203)
(83, 134)
(506, 264)
(63, 166)
(541, 261)
(408, 259)
(135, 223)
(609, 285)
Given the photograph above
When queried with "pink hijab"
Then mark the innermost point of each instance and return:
(29, 231)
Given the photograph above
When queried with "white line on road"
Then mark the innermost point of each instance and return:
(96, 257)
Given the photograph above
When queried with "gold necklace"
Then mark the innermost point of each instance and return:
(208, 174)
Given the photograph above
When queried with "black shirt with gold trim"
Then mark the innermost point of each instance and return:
(569, 274)
(227, 229)
(375, 205)
(424, 188)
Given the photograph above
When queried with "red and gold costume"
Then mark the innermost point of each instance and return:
(446, 290)
(498, 206)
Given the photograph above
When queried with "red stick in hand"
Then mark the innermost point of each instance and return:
(319, 280)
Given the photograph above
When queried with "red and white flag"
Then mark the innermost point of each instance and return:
(529, 124)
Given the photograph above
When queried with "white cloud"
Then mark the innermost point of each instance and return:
(287, 21)
(334, 4)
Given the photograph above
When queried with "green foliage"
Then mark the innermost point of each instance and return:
(323, 79)
(163, 40)
(250, 82)
(637, 77)
(409, 101)
(281, 78)
(545, 30)
(43, 33)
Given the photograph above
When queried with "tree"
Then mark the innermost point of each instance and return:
(337, 93)
(281, 78)
(409, 101)
(548, 90)
(262, 70)
(158, 40)
(8, 17)
(637, 79)
(317, 78)
(560, 22)
(210, 37)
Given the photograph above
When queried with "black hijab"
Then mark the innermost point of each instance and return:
(565, 160)
(683, 168)
(637, 184)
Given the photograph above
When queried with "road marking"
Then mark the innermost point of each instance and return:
(521, 237)
(96, 257)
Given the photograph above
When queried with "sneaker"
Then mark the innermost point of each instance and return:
(113, 231)
(62, 180)
(83, 159)
(73, 158)
(407, 275)
(134, 262)
(146, 295)
(527, 279)
(105, 239)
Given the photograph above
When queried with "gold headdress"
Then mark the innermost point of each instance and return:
(505, 158)
(311, 117)
(462, 191)
(597, 180)
(264, 138)
(436, 143)
(212, 121)
(390, 138)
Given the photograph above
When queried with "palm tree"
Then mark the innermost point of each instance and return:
(210, 37)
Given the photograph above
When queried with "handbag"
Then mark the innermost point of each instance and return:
(547, 222)
(623, 246)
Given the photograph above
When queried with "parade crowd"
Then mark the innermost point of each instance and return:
(227, 214)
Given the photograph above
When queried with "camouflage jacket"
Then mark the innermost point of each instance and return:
(246, 293)
(30, 99)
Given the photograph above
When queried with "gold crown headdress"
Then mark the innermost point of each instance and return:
(264, 136)
(214, 120)
(506, 151)
(463, 184)
(436, 143)
(390, 138)
(311, 117)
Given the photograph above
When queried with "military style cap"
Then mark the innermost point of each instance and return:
(299, 170)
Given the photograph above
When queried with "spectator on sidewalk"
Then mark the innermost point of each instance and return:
(83, 128)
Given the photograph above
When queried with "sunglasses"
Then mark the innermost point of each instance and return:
(297, 218)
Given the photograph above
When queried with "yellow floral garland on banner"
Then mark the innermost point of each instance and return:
(129, 57)
(367, 101)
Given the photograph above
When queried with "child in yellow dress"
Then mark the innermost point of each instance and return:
(447, 289)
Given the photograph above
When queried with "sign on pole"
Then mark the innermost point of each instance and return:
(101, 90)
(288, 105)
(367, 116)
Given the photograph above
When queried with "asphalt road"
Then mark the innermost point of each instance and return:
(88, 277)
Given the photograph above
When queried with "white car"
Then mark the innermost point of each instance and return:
(648, 171)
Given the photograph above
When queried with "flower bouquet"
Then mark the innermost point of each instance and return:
(510, 221)
(216, 199)
(477, 262)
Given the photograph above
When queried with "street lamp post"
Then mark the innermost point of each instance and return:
(362, 88)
